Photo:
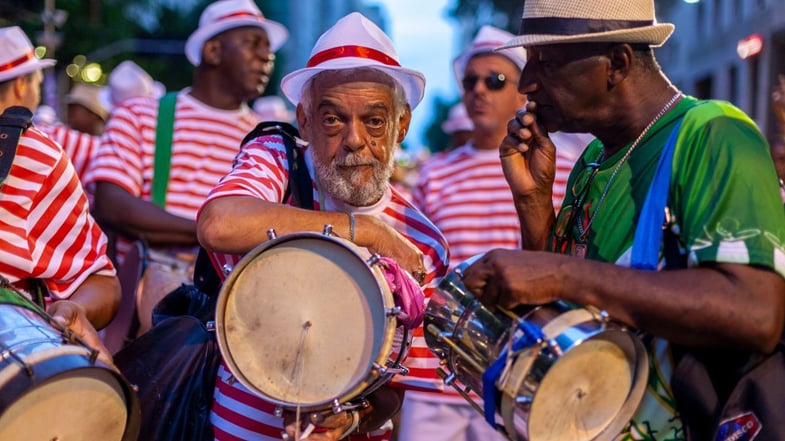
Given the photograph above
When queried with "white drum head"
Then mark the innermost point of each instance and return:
(79, 405)
(302, 322)
(582, 393)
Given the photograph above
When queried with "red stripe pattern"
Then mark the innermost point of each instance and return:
(261, 171)
(21, 60)
(205, 142)
(80, 147)
(46, 229)
(352, 51)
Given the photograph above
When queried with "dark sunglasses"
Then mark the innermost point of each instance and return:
(495, 81)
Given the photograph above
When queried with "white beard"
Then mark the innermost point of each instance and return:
(350, 189)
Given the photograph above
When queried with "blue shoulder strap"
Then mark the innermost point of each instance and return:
(648, 233)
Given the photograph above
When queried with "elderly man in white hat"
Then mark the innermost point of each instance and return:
(42, 191)
(660, 158)
(155, 198)
(354, 102)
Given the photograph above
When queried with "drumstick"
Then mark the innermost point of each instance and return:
(307, 431)
(298, 373)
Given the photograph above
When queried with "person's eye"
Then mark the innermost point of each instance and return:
(376, 122)
(330, 120)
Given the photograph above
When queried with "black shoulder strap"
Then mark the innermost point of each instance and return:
(13, 122)
(300, 184)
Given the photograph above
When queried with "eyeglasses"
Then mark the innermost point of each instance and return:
(495, 81)
(568, 215)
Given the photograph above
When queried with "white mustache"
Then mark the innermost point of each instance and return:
(355, 160)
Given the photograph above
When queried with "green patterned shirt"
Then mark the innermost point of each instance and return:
(724, 195)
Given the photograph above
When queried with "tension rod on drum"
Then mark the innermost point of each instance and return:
(450, 379)
(442, 336)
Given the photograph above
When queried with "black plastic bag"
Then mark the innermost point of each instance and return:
(174, 366)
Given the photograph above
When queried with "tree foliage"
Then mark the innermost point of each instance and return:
(149, 32)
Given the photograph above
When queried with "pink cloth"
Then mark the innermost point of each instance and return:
(407, 294)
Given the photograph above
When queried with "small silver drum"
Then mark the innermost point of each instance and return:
(307, 321)
(581, 380)
(52, 387)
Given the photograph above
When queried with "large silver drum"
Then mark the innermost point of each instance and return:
(581, 379)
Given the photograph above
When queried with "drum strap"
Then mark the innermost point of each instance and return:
(13, 122)
(531, 334)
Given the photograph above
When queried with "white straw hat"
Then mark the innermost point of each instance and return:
(590, 21)
(458, 120)
(229, 14)
(354, 42)
(128, 80)
(17, 55)
(488, 40)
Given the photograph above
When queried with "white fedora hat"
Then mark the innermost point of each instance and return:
(457, 120)
(590, 21)
(229, 14)
(128, 80)
(17, 55)
(488, 40)
(354, 42)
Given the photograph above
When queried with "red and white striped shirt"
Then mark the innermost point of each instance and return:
(205, 141)
(47, 231)
(464, 192)
(80, 147)
(262, 171)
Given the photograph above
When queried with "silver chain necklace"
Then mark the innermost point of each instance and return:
(663, 111)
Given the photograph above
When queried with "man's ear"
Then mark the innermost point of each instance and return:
(621, 57)
(211, 52)
(19, 86)
(403, 124)
(302, 120)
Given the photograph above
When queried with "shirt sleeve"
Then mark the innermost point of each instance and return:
(120, 156)
(728, 202)
(66, 244)
(260, 170)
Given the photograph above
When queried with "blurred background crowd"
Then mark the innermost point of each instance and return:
(721, 49)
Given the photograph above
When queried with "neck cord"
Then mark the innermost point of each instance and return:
(663, 111)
